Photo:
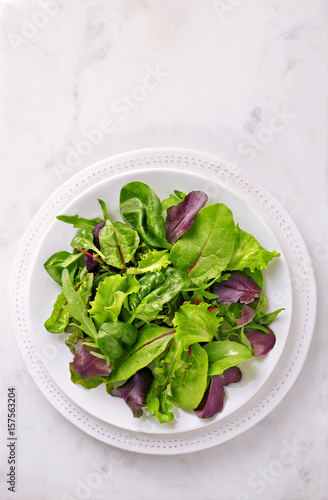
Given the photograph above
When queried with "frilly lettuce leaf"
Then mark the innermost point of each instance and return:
(195, 323)
(110, 296)
(150, 262)
(248, 253)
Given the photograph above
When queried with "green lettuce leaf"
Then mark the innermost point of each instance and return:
(150, 262)
(110, 296)
(118, 243)
(206, 248)
(158, 403)
(248, 253)
(190, 378)
(194, 323)
(225, 354)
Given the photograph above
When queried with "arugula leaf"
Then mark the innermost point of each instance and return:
(110, 296)
(152, 304)
(224, 354)
(158, 403)
(60, 261)
(248, 253)
(150, 262)
(152, 341)
(141, 209)
(206, 248)
(190, 378)
(114, 338)
(195, 323)
(118, 243)
(79, 222)
(76, 306)
(103, 208)
(267, 319)
(173, 199)
(59, 318)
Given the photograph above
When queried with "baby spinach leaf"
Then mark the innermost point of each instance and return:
(206, 248)
(152, 341)
(79, 222)
(152, 304)
(196, 324)
(267, 319)
(225, 354)
(148, 282)
(248, 253)
(141, 209)
(158, 403)
(76, 306)
(59, 318)
(150, 262)
(118, 243)
(60, 261)
(190, 378)
(114, 338)
(110, 296)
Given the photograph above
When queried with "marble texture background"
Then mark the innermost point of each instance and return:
(242, 79)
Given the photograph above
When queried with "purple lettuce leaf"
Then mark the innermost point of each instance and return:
(89, 366)
(213, 398)
(238, 287)
(247, 314)
(96, 232)
(135, 390)
(180, 217)
(261, 342)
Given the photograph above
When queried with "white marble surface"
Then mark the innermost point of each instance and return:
(214, 76)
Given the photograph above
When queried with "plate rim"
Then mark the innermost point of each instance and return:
(192, 440)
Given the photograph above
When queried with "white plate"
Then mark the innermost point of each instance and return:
(289, 284)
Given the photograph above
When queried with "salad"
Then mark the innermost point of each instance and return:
(163, 307)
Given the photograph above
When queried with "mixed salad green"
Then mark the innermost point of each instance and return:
(163, 306)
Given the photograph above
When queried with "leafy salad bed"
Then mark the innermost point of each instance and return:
(163, 306)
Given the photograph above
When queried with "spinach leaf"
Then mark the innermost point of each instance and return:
(195, 323)
(110, 296)
(248, 253)
(60, 261)
(114, 338)
(267, 319)
(152, 304)
(158, 396)
(150, 262)
(152, 341)
(148, 283)
(225, 354)
(59, 318)
(141, 209)
(118, 243)
(79, 222)
(190, 378)
(206, 248)
(76, 306)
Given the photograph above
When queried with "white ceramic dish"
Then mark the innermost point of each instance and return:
(265, 381)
